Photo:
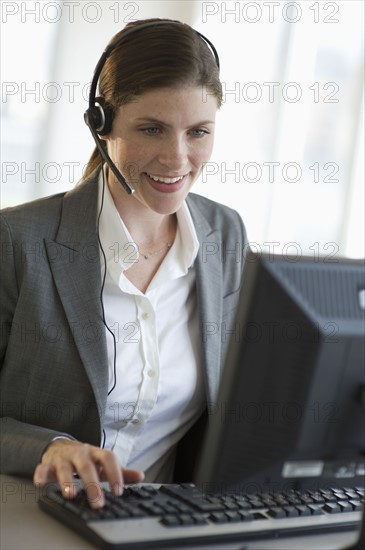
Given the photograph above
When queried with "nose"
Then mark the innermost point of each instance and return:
(173, 153)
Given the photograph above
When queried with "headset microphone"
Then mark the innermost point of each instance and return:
(105, 155)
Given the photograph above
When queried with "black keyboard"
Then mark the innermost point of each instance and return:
(149, 515)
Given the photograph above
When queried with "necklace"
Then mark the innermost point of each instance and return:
(148, 255)
(171, 233)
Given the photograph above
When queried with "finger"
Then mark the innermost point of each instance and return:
(43, 474)
(65, 478)
(84, 463)
(127, 476)
(132, 476)
(109, 470)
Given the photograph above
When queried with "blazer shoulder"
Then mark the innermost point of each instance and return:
(38, 206)
(32, 217)
(42, 216)
(218, 216)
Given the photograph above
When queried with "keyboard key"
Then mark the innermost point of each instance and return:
(137, 513)
(280, 501)
(106, 514)
(170, 521)
(258, 515)
(121, 514)
(351, 494)
(169, 509)
(232, 506)
(317, 498)
(246, 516)
(293, 499)
(139, 492)
(291, 511)
(245, 506)
(153, 510)
(315, 509)
(332, 508)
(199, 519)
(277, 513)
(345, 506)
(256, 504)
(218, 517)
(329, 497)
(183, 508)
(186, 519)
(269, 502)
(233, 516)
(356, 505)
(72, 507)
(303, 510)
(306, 499)
(214, 500)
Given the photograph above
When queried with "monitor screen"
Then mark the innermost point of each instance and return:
(290, 412)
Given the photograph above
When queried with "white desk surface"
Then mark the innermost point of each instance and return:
(24, 526)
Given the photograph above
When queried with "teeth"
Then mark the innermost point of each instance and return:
(165, 180)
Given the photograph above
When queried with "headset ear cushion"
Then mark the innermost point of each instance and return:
(103, 114)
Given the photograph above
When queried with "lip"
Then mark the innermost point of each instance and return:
(166, 187)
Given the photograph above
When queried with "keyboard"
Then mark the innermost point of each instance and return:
(164, 516)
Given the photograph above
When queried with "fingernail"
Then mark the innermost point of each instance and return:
(38, 480)
(98, 503)
(118, 489)
(69, 491)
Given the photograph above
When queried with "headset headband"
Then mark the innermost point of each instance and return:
(108, 50)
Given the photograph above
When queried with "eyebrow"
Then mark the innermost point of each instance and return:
(157, 121)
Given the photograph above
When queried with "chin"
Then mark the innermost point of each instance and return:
(166, 206)
(165, 203)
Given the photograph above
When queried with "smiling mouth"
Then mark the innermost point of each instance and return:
(162, 179)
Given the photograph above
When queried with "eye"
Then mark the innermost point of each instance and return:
(198, 132)
(151, 131)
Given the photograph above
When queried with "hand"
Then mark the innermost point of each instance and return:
(64, 457)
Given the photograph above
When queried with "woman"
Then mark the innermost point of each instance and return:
(116, 307)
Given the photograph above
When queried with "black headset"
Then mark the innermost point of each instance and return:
(99, 116)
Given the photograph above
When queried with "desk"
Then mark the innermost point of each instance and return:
(24, 526)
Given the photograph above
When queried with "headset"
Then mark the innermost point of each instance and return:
(99, 116)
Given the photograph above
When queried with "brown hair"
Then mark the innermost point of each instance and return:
(158, 57)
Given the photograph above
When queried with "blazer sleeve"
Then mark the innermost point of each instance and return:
(22, 444)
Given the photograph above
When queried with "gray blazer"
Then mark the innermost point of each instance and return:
(54, 372)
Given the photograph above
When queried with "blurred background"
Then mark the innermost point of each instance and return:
(289, 150)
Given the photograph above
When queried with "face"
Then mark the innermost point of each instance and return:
(160, 143)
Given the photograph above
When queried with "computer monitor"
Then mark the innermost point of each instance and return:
(290, 412)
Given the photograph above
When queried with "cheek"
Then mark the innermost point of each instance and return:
(130, 157)
(202, 154)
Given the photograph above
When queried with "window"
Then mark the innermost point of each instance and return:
(289, 143)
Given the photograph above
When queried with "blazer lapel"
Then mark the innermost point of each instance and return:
(208, 266)
(75, 264)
